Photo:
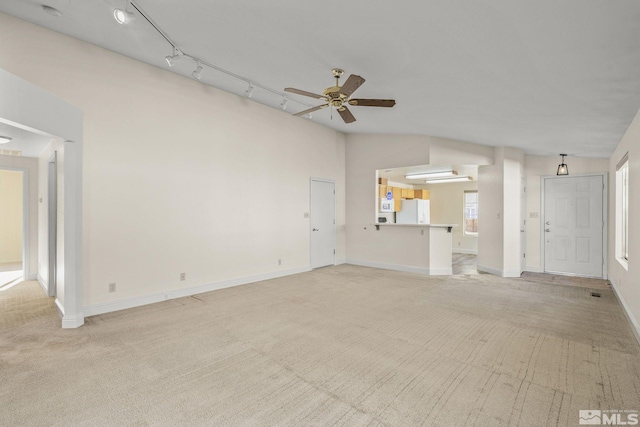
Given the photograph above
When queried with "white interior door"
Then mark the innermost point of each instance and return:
(574, 225)
(323, 223)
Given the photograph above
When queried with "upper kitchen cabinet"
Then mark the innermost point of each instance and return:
(421, 194)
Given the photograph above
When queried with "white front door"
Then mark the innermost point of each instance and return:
(323, 223)
(573, 225)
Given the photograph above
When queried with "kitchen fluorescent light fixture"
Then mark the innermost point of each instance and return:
(5, 139)
(443, 180)
(428, 175)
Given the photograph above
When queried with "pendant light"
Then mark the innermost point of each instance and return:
(563, 169)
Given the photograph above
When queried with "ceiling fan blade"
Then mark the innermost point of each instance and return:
(304, 93)
(373, 102)
(311, 110)
(352, 83)
(346, 115)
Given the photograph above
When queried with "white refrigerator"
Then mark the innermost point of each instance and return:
(414, 211)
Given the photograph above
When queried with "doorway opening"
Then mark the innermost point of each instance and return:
(13, 242)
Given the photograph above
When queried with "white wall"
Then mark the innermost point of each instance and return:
(447, 207)
(10, 216)
(535, 168)
(179, 177)
(30, 166)
(626, 282)
(400, 248)
(390, 247)
(499, 213)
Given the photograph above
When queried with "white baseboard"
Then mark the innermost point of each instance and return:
(60, 307)
(72, 322)
(108, 307)
(341, 261)
(489, 270)
(32, 277)
(440, 271)
(385, 266)
(512, 273)
(635, 326)
(464, 251)
(44, 286)
(533, 269)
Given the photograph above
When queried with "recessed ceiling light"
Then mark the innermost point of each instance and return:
(5, 139)
(51, 10)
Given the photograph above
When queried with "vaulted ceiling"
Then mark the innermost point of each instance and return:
(547, 76)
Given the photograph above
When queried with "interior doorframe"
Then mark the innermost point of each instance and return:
(335, 217)
(28, 107)
(25, 219)
(605, 218)
(52, 224)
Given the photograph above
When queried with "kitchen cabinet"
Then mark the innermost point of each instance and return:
(382, 191)
(396, 192)
(407, 193)
(421, 194)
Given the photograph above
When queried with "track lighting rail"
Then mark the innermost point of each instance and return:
(200, 62)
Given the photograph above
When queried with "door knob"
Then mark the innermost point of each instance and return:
(547, 230)
(315, 229)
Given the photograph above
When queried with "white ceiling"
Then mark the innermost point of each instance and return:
(30, 144)
(548, 76)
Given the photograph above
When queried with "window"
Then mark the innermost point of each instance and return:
(622, 211)
(471, 212)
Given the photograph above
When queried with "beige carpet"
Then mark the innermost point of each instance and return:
(337, 346)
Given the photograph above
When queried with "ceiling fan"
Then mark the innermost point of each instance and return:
(339, 97)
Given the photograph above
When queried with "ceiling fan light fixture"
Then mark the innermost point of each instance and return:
(563, 169)
(427, 175)
(5, 139)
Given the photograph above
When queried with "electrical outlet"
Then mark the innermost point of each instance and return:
(112, 287)
(183, 276)
(422, 232)
(279, 262)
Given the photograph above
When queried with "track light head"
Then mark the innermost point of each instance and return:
(198, 72)
(172, 59)
(249, 92)
(122, 16)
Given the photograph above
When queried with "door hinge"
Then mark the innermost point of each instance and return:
(334, 251)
